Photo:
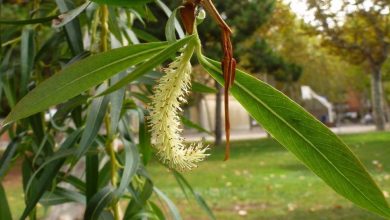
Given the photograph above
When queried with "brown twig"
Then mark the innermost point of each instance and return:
(228, 62)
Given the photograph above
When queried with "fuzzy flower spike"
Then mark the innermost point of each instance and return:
(169, 93)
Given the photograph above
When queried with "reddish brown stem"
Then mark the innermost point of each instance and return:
(228, 63)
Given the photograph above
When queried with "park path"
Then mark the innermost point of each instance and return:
(254, 133)
(257, 132)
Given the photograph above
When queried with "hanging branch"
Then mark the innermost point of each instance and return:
(228, 62)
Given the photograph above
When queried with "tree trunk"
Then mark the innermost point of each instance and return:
(377, 98)
(218, 115)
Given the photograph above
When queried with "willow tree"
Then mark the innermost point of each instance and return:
(357, 31)
(98, 86)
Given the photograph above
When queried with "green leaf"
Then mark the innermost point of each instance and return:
(139, 198)
(168, 12)
(74, 181)
(95, 117)
(60, 196)
(157, 211)
(27, 170)
(187, 122)
(131, 165)
(145, 143)
(45, 179)
(8, 86)
(61, 154)
(64, 109)
(172, 208)
(116, 101)
(106, 215)
(29, 21)
(98, 203)
(7, 156)
(5, 212)
(141, 96)
(72, 28)
(127, 3)
(91, 176)
(6, 70)
(183, 183)
(113, 24)
(27, 58)
(145, 67)
(70, 15)
(80, 76)
(170, 33)
(143, 35)
(144, 214)
(104, 175)
(201, 88)
(148, 79)
(307, 138)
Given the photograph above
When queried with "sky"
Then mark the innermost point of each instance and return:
(300, 8)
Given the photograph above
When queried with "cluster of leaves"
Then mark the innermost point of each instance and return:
(82, 129)
(94, 107)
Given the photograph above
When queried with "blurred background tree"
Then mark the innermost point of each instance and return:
(326, 73)
(358, 32)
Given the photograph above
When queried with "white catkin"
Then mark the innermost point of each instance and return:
(169, 94)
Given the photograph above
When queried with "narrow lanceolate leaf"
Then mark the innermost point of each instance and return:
(96, 113)
(157, 211)
(27, 58)
(170, 33)
(140, 199)
(48, 174)
(145, 67)
(202, 88)
(69, 15)
(307, 138)
(98, 203)
(145, 143)
(72, 28)
(187, 122)
(116, 101)
(185, 185)
(171, 206)
(60, 196)
(143, 35)
(127, 3)
(168, 12)
(132, 162)
(7, 156)
(29, 21)
(5, 212)
(80, 76)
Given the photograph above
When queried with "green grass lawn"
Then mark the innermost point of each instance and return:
(264, 181)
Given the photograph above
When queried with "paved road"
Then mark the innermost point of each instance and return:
(260, 133)
(256, 133)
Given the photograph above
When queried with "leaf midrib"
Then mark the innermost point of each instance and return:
(311, 144)
(304, 138)
(103, 67)
(46, 95)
